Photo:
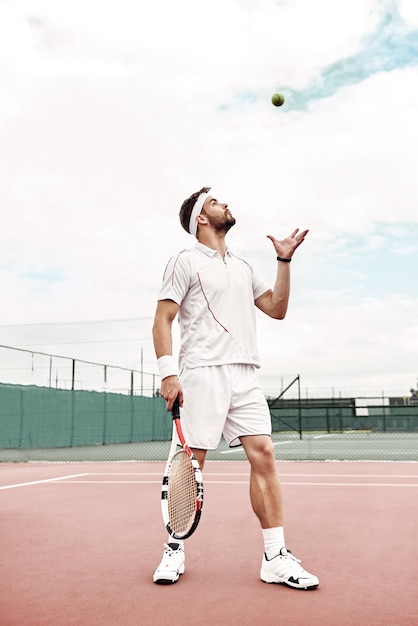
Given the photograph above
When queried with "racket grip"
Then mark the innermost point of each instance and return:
(176, 409)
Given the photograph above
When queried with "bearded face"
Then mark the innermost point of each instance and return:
(221, 222)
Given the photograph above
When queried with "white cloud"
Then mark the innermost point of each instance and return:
(409, 12)
(369, 345)
(111, 114)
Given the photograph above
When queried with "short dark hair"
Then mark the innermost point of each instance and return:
(187, 208)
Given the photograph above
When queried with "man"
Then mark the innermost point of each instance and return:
(213, 292)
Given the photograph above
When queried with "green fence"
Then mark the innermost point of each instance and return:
(310, 416)
(41, 417)
(48, 424)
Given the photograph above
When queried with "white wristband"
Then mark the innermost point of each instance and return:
(167, 366)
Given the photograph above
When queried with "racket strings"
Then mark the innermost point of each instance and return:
(181, 493)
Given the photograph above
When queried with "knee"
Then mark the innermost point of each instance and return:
(261, 454)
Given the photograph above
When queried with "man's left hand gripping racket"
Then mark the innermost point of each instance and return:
(182, 488)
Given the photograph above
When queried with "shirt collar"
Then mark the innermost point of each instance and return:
(210, 251)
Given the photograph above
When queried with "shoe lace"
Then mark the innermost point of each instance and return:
(292, 561)
(170, 552)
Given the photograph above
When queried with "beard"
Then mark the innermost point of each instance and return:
(223, 223)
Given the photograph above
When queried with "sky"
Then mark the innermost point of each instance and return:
(112, 113)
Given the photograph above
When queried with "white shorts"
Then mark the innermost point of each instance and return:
(222, 400)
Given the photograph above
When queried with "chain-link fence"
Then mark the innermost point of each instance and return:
(126, 343)
(65, 407)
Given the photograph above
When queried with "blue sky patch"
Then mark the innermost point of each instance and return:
(391, 46)
(383, 263)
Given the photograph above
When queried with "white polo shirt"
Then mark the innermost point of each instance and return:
(217, 311)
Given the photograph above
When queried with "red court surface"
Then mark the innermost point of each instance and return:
(79, 543)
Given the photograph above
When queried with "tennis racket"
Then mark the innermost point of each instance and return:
(182, 488)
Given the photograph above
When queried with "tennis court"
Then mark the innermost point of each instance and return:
(79, 543)
(317, 446)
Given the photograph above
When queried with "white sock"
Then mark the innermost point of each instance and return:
(273, 541)
(179, 541)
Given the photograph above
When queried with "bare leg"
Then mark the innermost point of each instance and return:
(200, 456)
(265, 489)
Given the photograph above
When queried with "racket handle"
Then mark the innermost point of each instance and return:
(176, 409)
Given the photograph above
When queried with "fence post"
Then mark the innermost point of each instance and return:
(142, 371)
(104, 436)
(132, 406)
(384, 412)
(299, 409)
(22, 417)
(72, 417)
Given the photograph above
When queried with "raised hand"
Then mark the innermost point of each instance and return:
(286, 247)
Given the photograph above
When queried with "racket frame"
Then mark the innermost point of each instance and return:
(177, 430)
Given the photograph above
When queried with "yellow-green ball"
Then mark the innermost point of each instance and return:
(277, 99)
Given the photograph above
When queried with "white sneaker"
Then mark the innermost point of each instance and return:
(284, 568)
(171, 566)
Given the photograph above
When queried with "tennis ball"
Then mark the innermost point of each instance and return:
(277, 99)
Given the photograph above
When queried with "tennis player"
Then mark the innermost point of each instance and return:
(213, 293)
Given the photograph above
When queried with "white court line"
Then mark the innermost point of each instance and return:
(356, 484)
(281, 443)
(112, 482)
(46, 480)
(236, 482)
(205, 473)
(276, 443)
(350, 484)
(227, 482)
(68, 480)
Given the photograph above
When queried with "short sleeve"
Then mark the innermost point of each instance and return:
(259, 285)
(176, 279)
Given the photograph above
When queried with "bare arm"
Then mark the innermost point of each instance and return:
(163, 345)
(275, 302)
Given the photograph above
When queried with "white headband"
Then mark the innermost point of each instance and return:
(196, 211)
